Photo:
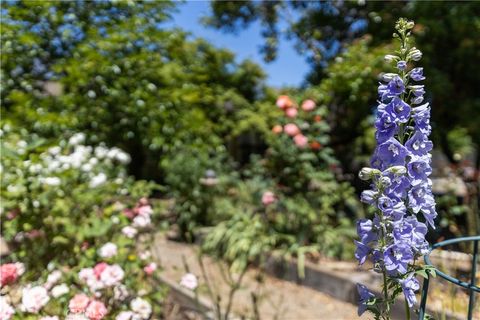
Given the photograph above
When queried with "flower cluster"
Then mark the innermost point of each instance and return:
(400, 188)
(140, 216)
(96, 292)
(291, 129)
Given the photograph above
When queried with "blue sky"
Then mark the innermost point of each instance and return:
(288, 69)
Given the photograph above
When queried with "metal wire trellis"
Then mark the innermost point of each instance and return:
(470, 286)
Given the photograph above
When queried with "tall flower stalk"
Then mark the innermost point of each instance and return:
(400, 188)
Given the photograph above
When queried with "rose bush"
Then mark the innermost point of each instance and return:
(99, 285)
(71, 218)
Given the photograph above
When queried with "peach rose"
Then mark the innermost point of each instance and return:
(78, 303)
(300, 140)
(308, 105)
(284, 102)
(291, 129)
(96, 310)
(277, 129)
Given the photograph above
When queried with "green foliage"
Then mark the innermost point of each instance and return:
(347, 91)
(140, 87)
(195, 180)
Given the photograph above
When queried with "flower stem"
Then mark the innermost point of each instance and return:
(407, 310)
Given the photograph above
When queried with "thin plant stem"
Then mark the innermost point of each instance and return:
(407, 310)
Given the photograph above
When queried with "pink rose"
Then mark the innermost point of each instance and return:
(284, 102)
(96, 310)
(144, 210)
(99, 268)
(129, 213)
(277, 129)
(291, 112)
(150, 268)
(78, 303)
(308, 105)
(8, 273)
(143, 201)
(291, 129)
(300, 140)
(268, 198)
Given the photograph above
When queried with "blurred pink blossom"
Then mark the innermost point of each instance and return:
(291, 129)
(300, 140)
(8, 273)
(79, 303)
(150, 268)
(268, 198)
(291, 112)
(308, 105)
(96, 310)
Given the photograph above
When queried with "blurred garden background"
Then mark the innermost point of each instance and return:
(159, 159)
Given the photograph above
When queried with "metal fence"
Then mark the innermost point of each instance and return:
(470, 286)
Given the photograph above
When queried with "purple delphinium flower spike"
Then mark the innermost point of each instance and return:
(400, 189)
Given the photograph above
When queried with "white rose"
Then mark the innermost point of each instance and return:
(112, 275)
(76, 316)
(6, 310)
(52, 279)
(124, 315)
(129, 232)
(108, 250)
(120, 292)
(142, 307)
(142, 221)
(144, 255)
(60, 290)
(189, 281)
(20, 268)
(33, 299)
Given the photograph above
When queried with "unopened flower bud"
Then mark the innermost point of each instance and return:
(367, 173)
(388, 76)
(368, 196)
(391, 57)
(415, 54)
(398, 169)
(385, 182)
(410, 24)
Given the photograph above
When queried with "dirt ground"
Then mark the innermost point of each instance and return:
(278, 299)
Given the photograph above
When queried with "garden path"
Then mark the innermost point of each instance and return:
(282, 300)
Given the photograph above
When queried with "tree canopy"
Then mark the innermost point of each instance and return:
(324, 29)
